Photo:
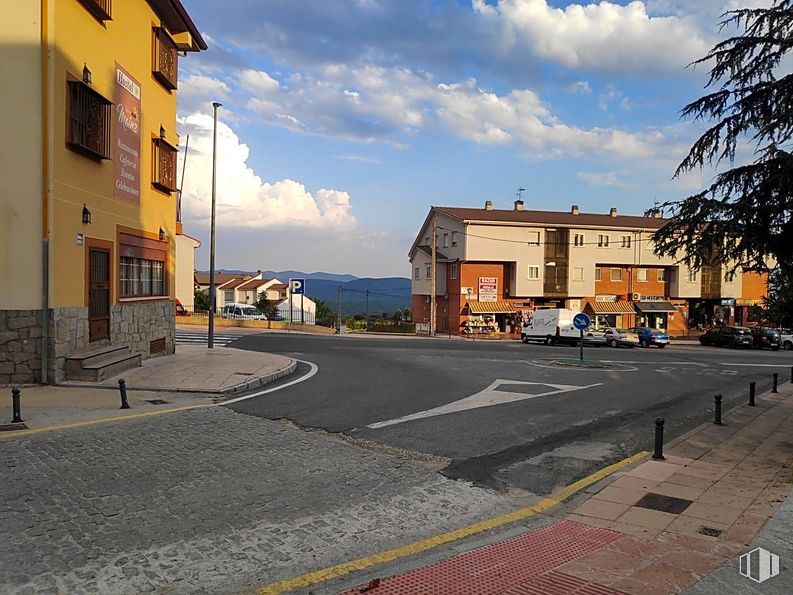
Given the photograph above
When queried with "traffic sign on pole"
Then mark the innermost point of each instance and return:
(581, 321)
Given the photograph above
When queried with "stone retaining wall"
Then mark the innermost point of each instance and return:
(136, 324)
(20, 346)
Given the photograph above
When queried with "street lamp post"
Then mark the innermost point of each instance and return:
(211, 334)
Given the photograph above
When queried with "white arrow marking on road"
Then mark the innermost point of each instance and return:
(485, 398)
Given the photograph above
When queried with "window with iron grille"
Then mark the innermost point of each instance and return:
(141, 277)
(99, 9)
(163, 162)
(88, 121)
(165, 62)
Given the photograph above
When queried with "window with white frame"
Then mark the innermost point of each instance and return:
(729, 277)
(603, 241)
(578, 273)
(533, 272)
(616, 274)
(534, 238)
(641, 275)
(454, 238)
(578, 239)
(446, 240)
(662, 275)
(416, 272)
(692, 276)
(626, 242)
(597, 274)
(429, 271)
(453, 270)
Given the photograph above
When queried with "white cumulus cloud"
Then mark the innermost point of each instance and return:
(243, 198)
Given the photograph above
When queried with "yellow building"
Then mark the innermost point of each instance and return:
(88, 214)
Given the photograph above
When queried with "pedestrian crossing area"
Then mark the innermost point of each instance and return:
(221, 339)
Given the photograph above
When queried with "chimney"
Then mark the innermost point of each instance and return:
(488, 205)
(574, 210)
(518, 205)
(612, 212)
(657, 213)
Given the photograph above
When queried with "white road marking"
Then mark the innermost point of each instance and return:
(615, 361)
(729, 373)
(311, 373)
(582, 369)
(757, 365)
(485, 398)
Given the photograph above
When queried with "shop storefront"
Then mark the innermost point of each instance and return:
(610, 314)
(488, 318)
(654, 314)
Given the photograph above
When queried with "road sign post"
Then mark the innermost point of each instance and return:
(581, 322)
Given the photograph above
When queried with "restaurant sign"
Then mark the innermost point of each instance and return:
(126, 138)
(488, 289)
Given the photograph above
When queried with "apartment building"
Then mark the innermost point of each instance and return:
(495, 267)
(88, 208)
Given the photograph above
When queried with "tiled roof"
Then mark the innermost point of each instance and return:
(278, 286)
(552, 218)
(203, 278)
(253, 284)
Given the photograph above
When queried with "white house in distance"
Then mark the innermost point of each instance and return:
(185, 268)
(309, 309)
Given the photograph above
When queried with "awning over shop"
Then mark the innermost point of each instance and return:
(611, 307)
(655, 307)
(490, 308)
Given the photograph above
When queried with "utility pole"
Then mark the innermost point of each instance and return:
(211, 333)
(338, 308)
(367, 310)
(433, 268)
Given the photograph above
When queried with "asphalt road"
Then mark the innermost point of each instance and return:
(508, 418)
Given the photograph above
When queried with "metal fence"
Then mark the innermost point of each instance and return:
(307, 317)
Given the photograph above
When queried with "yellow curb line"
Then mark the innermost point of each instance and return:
(332, 572)
(93, 422)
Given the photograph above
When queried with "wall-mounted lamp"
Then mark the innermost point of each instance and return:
(162, 131)
(86, 215)
(162, 235)
(86, 75)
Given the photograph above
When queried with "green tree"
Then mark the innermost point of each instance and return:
(778, 304)
(200, 300)
(324, 315)
(265, 306)
(744, 216)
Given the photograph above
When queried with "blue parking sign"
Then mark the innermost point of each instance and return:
(297, 286)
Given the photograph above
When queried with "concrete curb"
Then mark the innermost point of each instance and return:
(237, 388)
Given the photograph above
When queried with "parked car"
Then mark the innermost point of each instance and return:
(242, 312)
(651, 336)
(620, 337)
(766, 337)
(728, 336)
(786, 339)
(180, 309)
(552, 326)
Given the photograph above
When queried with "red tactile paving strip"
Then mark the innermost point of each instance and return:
(522, 565)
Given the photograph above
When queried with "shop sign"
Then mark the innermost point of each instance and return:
(488, 289)
(653, 298)
(126, 138)
(605, 298)
(728, 302)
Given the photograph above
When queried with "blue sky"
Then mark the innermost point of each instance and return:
(344, 120)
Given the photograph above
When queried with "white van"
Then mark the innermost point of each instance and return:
(552, 326)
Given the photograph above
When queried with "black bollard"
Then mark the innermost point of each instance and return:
(122, 387)
(752, 389)
(717, 419)
(774, 385)
(15, 393)
(658, 455)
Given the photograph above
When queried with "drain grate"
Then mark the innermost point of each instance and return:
(663, 503)
(709, 532)
(156, 401)
(12, 427)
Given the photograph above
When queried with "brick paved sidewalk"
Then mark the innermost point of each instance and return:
(658, 528)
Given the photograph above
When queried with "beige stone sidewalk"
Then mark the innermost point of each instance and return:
(686, 516)
(195, 368)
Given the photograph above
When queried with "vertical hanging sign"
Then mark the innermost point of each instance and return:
(126, 151)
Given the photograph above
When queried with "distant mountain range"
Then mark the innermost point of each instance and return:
(386, 295)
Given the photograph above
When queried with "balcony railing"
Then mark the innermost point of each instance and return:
(88, 120)
(100, 9)
(163, 165)
(165, 65)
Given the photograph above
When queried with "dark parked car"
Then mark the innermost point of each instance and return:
(651, 336)
(766, 337)
(728, 336)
